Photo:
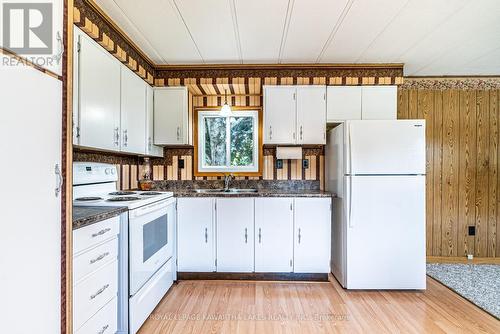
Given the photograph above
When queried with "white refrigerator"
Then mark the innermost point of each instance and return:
(377, 170)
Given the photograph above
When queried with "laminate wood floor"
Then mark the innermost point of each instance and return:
(298, 307)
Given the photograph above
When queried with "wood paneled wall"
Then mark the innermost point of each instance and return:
(463, 183)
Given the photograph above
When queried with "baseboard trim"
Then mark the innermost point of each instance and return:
(252, 276)
(463, 259)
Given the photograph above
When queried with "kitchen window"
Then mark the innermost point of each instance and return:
(227, 143)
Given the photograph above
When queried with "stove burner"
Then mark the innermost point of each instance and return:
(121, 193)
(86, 199)
(150, 193)
(123, 199)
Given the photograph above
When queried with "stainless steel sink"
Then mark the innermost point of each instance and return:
(220, 190)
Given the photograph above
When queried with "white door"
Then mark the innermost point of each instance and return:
(385, 147)
(99, 96)
(311, 115)
(171, 116)
(195, 235)
(133, 112)
(343, 103)
(30, 250)
(279, 115)
(312, 235)
(386, 232)
(273, 234)
(235, 234)
(379, 102)
(151, 149)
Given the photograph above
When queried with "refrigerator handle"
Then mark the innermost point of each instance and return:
(349, 206)
(349, 147)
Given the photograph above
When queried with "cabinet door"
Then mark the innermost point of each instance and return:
(133, 112)
(195, 235)
(311, 115)
(151, 149)
(279, 115)
(312, 235)
(343, 103)
(235, 240)
(171, 116)
(273, 234)
(379, 102)
(99, 96)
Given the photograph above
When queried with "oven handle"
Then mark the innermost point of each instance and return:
(162, 205)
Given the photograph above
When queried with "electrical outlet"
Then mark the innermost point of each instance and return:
(279, 163)
(305, 164)
(470, 257)
(181, 163)
(472, 230)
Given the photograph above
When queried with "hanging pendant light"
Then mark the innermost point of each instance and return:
(226, 109)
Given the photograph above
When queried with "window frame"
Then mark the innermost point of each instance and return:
(198, 134)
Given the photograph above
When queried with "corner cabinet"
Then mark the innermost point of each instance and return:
(171, 116)
(151, 149)
(294, 115)
(361, 102)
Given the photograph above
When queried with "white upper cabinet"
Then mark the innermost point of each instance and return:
(235, 234)
(311, 115)
(343, 103)
(312, 235)
(151, 149)
(171, 116)
(279, 115)
(379, 102)
(98, 94)
(274, 235)
(294, 115)
(133, 113)
(195, 235)
(361, 102)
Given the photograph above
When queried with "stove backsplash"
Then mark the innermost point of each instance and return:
(168, 168)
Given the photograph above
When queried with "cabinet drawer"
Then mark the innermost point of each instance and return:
(93, 259)
(104, 322)
(94, 234)
(93, 293)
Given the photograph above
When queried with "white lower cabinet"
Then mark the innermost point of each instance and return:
(274, 234)
(312, 235)
(235, 234)
(195, 235)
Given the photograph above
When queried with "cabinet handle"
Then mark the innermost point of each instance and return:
(101, 232)
(260, 236)
(99, 258)
(300, 236)
(59, 180)
(125, 138)
(101, 290)
(149, 143)
(246, 235)
(206, 235)
(117, 136)
(178, 133)
(270, 132)
(103, 329)
(301, 132)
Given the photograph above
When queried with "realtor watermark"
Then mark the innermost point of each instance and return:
(28, 31)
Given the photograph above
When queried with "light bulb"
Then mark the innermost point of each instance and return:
(225, 110)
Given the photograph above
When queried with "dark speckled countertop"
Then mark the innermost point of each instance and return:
(260, 193)
(88, 215)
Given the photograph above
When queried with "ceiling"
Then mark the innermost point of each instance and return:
(431, 37)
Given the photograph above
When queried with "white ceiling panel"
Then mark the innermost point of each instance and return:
(364, 22)
(261, 24)
(210, 23)
(468, 24)
(416, 20)
(311, 23)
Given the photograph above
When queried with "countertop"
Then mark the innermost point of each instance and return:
(88, 215)
(260, 193)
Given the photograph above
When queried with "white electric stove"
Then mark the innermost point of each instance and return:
(147, 237)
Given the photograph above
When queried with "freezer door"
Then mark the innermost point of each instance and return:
(386, 232)
(385, 147)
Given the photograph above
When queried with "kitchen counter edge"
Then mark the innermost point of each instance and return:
(262, 193)
(88, 215)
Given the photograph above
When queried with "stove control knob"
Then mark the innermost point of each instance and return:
(113, 171)
(107, 171)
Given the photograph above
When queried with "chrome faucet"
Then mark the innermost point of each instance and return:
(227, 180)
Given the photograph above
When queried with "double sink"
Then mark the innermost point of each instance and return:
(225, 191)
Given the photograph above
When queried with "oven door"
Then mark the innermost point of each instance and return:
(150, 241)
